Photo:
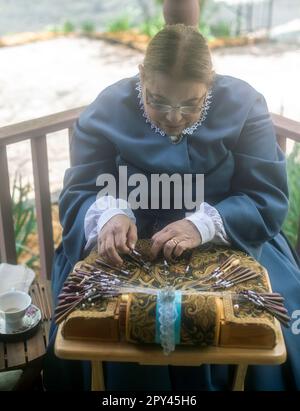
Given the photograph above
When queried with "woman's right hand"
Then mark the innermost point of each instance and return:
(118, 235)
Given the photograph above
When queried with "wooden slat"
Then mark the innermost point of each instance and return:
(15, 354)
(33, 296)
(286, 127)
(37, 300)
(298, 242)
(40, 292)
(43, 203)
(47, 325)
(45, 291)
(70, 135)
(282, 142)
(36, 345)
(7, 235)
(60, 121)
(2, 356)
(41, 126)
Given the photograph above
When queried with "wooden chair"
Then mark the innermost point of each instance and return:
(30, 353)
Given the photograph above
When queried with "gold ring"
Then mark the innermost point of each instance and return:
(174, 241)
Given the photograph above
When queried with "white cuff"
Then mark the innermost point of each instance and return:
(209, 224)
(99, 213)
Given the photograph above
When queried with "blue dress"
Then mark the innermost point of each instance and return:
(245, 180)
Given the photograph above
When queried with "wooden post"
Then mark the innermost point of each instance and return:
(97, 376)
(186, 12)
(239, 377)
(7, 234)
(43, 203)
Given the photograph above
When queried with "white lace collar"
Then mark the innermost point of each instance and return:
(188, 130)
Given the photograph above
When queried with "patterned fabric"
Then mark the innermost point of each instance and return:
(199, 319)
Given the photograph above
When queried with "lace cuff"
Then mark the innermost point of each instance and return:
(99, 213)
(209, 224)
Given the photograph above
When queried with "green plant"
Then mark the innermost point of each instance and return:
(68, 27)
(152, 26)
(88, 27)
(208, 29)
(220, 29)
(290, 226)
(122, 23)
(24, 218)
(53, 29)
(205, 30)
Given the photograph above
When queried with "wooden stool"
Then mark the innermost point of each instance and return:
(97, 352)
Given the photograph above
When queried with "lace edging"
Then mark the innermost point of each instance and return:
(188, 130)
(221, 235)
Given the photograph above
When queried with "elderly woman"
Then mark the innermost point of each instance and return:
(178, 116)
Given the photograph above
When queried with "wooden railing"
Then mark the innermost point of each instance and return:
(36, 131)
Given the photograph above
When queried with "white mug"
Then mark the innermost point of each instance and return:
(13, 306)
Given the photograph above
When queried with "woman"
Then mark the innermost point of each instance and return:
(177, 116)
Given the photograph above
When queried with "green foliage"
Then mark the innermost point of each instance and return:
(221, 29)
(290, 226)
(24, 218)
(122, 23)
(152, 26)
(209, 30)
(53, 29)
(87, 27)
(68, 27)
(205, 30)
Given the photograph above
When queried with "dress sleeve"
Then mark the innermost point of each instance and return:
(255, 210)
(91, 155)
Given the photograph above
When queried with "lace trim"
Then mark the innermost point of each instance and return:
(221, 236)
(167, 317)
(188, 130)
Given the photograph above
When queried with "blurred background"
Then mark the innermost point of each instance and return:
(56, 55)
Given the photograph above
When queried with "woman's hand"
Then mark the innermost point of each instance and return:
(118, 235)
(175, 238)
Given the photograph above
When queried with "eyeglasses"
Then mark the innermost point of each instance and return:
(167, 108)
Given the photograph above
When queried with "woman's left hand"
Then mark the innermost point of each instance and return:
(175, 238)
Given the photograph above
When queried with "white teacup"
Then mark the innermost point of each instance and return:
(13, 306)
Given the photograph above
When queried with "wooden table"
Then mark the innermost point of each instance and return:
(28, 354)
(97, 352)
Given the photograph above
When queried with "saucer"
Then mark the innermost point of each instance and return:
(30, 322)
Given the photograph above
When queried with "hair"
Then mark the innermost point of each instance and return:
(180, 51)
